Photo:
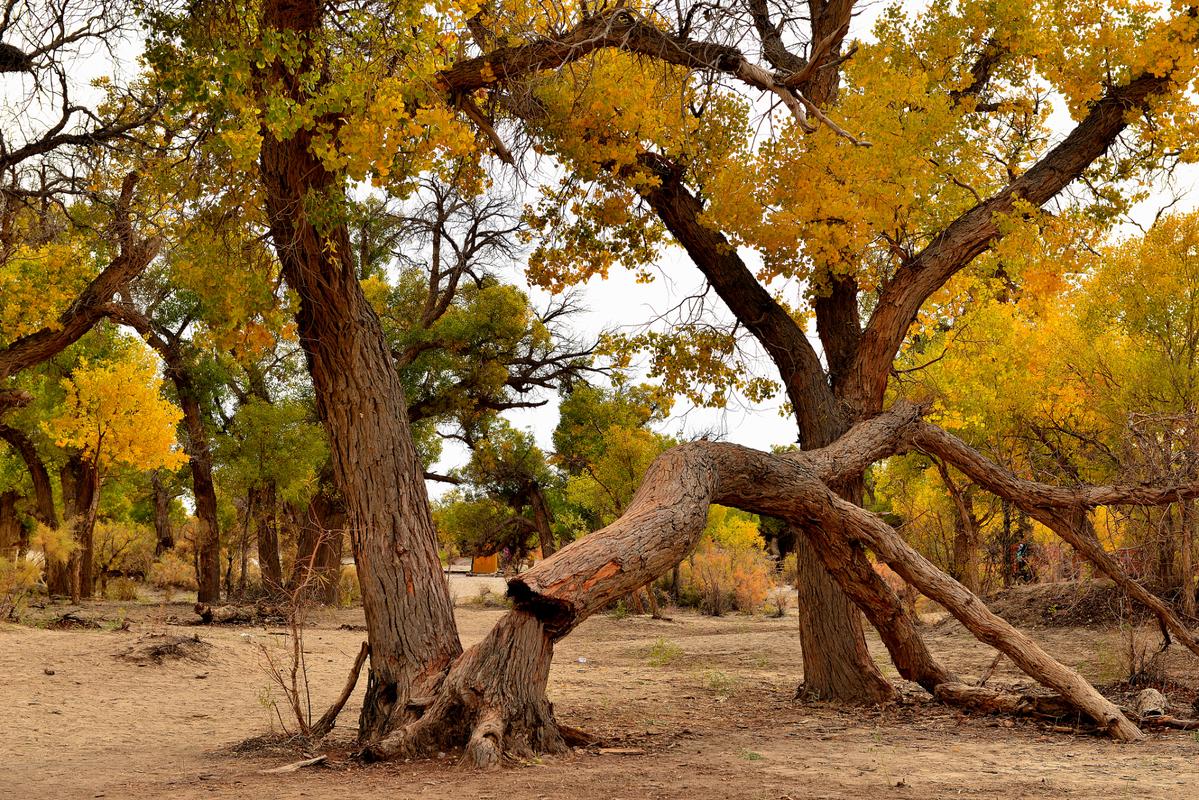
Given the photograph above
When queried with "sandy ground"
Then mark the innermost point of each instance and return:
(711, 716)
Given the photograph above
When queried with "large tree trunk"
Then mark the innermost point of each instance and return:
(836, 664)
(409, 614)
(266, 528)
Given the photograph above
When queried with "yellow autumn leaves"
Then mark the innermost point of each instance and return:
(114, 413)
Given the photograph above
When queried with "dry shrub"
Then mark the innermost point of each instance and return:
(790, 569)
(349, 593)
(121, 589)
(18, 579)
(171, 572)
(718, 580)
(55, 544)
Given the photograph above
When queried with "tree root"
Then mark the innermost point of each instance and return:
(491, 704)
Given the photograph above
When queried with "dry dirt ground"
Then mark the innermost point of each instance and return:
(702, 706)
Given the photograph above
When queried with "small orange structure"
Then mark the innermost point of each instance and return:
(485, 565)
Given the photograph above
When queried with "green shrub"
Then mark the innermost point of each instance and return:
(662, 653)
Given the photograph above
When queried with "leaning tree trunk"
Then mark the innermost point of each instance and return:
(409, 614)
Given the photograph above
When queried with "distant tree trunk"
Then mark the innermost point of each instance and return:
(208, 533)
(164, 537)
(965, 531)
(10, 522)
(179, 371)
(266, 529)
(1186, 554)
(359, 397)
(543, 520)
(243, 545)
(319, 545)
(81, 502)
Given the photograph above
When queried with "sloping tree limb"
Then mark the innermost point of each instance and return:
(716, 257)
(1061, 509)
(134, 256)
(493, 696)
(42, 491)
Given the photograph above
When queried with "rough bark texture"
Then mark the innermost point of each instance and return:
(409, 615)
(492, 702)
(836, 664)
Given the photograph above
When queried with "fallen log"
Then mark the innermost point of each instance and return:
(239, 615)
